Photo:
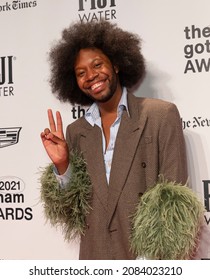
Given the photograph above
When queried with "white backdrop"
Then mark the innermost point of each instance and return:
(176, 37)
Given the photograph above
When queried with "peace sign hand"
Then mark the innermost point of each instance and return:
(55, 143)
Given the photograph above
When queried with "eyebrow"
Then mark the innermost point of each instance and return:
(81, 67)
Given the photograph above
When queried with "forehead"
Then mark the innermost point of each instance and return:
(88, 55)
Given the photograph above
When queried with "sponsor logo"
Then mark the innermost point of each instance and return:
(90, 10)
(197, 49)
(196, 122)
(78, 111)
(12, 200)
(6, 76)
(206, 187)
(17, 5)
(9, 136)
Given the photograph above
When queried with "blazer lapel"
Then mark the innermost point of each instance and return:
(91, 145)
(128, 137)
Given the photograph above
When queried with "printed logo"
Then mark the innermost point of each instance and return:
(12, 200)
(6, 76)
(17, 5)
(197, 49)
(9, 136)
(90, 10)
(206, 187)
(196, 122)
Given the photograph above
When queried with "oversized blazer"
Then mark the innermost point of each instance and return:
(150, 142)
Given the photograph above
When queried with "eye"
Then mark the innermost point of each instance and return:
(80, 74)
(98, 65)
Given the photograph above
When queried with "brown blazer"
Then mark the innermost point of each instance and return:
(149, 142)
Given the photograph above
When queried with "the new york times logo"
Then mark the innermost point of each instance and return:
(90, 10)
(9, 136)
(6, 76)
(17, 5)
(196, 122)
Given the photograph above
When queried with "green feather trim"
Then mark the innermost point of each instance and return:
(167, 223)
(67, 207)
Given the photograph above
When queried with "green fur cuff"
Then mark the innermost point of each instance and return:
(167, 223)
(68, 206)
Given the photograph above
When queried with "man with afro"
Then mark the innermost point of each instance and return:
(116, 151)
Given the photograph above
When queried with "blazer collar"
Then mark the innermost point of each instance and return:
(128, 137)
(129, 134)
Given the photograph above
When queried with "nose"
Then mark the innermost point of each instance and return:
(91, 74)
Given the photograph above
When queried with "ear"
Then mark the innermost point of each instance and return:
(116, 69)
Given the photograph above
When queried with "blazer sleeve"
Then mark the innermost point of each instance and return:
(172, 150)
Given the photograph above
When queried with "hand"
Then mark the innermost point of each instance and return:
(55, 143)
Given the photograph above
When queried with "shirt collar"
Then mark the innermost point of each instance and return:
(93, 115)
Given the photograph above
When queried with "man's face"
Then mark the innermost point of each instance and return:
(95, 74)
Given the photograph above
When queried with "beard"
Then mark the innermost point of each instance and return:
(106, 97)
(109, 92)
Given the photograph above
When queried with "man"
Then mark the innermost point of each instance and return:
(126, 142)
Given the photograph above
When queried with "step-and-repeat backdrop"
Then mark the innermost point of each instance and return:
(176, 46)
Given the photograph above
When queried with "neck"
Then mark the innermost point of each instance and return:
(110, 107)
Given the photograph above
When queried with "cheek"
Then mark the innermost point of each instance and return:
(79, 83)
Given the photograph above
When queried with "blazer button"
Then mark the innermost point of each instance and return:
(140, 194)
(143, 164)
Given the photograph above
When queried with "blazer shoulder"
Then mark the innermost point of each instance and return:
(78, 124)
(77, 127)
(156, 109)
(154, 105)
(154, 102)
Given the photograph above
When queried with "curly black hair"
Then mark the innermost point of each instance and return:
(121, 47)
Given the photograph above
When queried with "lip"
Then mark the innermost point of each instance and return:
(97, 87)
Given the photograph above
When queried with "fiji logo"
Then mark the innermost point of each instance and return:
(9, 136)
(6, 69)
